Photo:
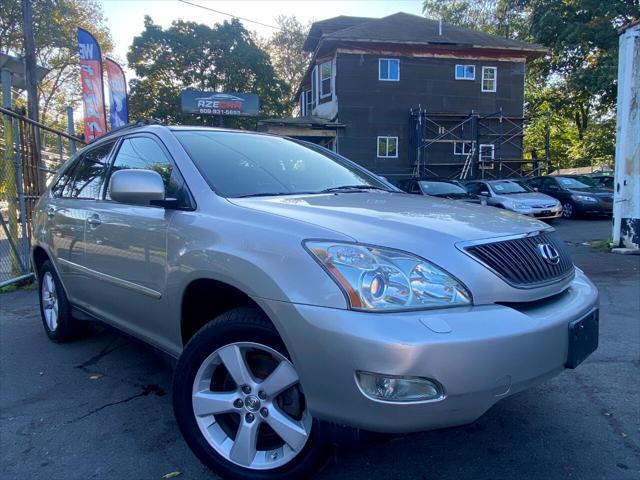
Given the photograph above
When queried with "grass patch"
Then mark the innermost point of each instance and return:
(26, 285)
(602, 245)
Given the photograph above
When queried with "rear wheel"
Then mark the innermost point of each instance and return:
(55, 309)
(239, 402)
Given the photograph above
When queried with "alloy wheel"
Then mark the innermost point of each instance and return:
(49, 299)
(567, 210)
(249, 406)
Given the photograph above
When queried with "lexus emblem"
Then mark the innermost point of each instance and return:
(549, 254)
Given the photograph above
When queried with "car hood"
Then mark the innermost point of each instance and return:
(597, 192)
(530, 198)
(395, 219)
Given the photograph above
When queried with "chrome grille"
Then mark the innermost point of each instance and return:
(520, 262)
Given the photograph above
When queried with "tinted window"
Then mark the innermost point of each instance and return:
(65, 176)
(89, 174)
(146, 154)
(240, 164)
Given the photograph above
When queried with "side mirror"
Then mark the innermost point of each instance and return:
(535, 189)
(136, 187)
(483, 194)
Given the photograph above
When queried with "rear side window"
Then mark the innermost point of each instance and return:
(65, 176)
(89, 174)
(146, 154)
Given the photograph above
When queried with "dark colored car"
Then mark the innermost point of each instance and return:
(441, 188)
(576, 196)
(603, 181)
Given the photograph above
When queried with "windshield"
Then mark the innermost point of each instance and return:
(568, 182)
(238, 164)
(502, 188)
(442, 188)
(587, 181)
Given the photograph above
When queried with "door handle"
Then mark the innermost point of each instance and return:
(94, 220)
(51, 212)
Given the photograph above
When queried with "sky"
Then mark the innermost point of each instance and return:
(125, 18)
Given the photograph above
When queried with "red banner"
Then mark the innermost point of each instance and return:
(95, 119)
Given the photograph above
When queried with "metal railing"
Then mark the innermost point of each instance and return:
(24, 174)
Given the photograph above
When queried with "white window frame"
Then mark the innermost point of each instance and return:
(464, 69)
(482, 157)
(314, 85)
(387, 138)
(321, 79)
(389, 79)
(466, 148)
(495, 79)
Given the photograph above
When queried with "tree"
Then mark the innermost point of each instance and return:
(505, 18)
(189, 55)
(285, 49)
(54, 24)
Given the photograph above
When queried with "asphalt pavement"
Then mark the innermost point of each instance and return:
(101, 407)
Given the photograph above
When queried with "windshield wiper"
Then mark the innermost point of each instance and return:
(271, 194)
(352, 188)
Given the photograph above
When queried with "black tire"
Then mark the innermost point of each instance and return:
(66, 328)
(568, 209)
(243, 324)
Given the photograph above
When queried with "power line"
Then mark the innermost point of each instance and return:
(230, 15)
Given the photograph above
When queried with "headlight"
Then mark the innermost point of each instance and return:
(584, 198)
(376, 278)
(519, 206)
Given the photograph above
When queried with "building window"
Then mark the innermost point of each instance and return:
(489, 79)
(462, 148)
(310, 102)
(465, 72)
(486, 152)
(389, 69)
(325, 79)
(387, 147)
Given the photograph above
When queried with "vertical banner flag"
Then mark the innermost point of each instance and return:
(118, 105)
(95, 120)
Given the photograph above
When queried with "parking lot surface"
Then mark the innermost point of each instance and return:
(101, 407)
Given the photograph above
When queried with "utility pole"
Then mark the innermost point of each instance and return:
(31, 80)
(626, 205)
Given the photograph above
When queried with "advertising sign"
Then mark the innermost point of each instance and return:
(95, 120)
(219, 103)
(118, 103)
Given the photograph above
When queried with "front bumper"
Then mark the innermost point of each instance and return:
(479, 355)
(599, 208)
(542, 213)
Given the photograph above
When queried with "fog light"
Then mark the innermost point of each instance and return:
(398, 389)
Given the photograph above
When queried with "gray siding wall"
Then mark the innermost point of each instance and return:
(370, 107)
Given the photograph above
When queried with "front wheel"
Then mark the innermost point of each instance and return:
(239, 403)
(568, 210)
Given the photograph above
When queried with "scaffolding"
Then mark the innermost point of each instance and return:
(484, 146)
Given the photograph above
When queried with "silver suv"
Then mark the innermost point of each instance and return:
(300, 292)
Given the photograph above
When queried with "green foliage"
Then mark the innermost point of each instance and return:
(285, 49)
(575, 83)
(189, 55)
(505, 18)
(54, 26)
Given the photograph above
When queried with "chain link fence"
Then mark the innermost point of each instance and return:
(30, 154)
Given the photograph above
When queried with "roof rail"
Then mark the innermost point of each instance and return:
(137, 123)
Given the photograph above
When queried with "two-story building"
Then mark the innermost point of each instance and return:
(404, 95)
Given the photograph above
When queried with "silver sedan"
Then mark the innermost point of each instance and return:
(516, 197)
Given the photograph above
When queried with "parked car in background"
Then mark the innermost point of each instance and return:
(603, 181)
(577, 197)
(516, 197)
(299, 293)
(441, 188)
